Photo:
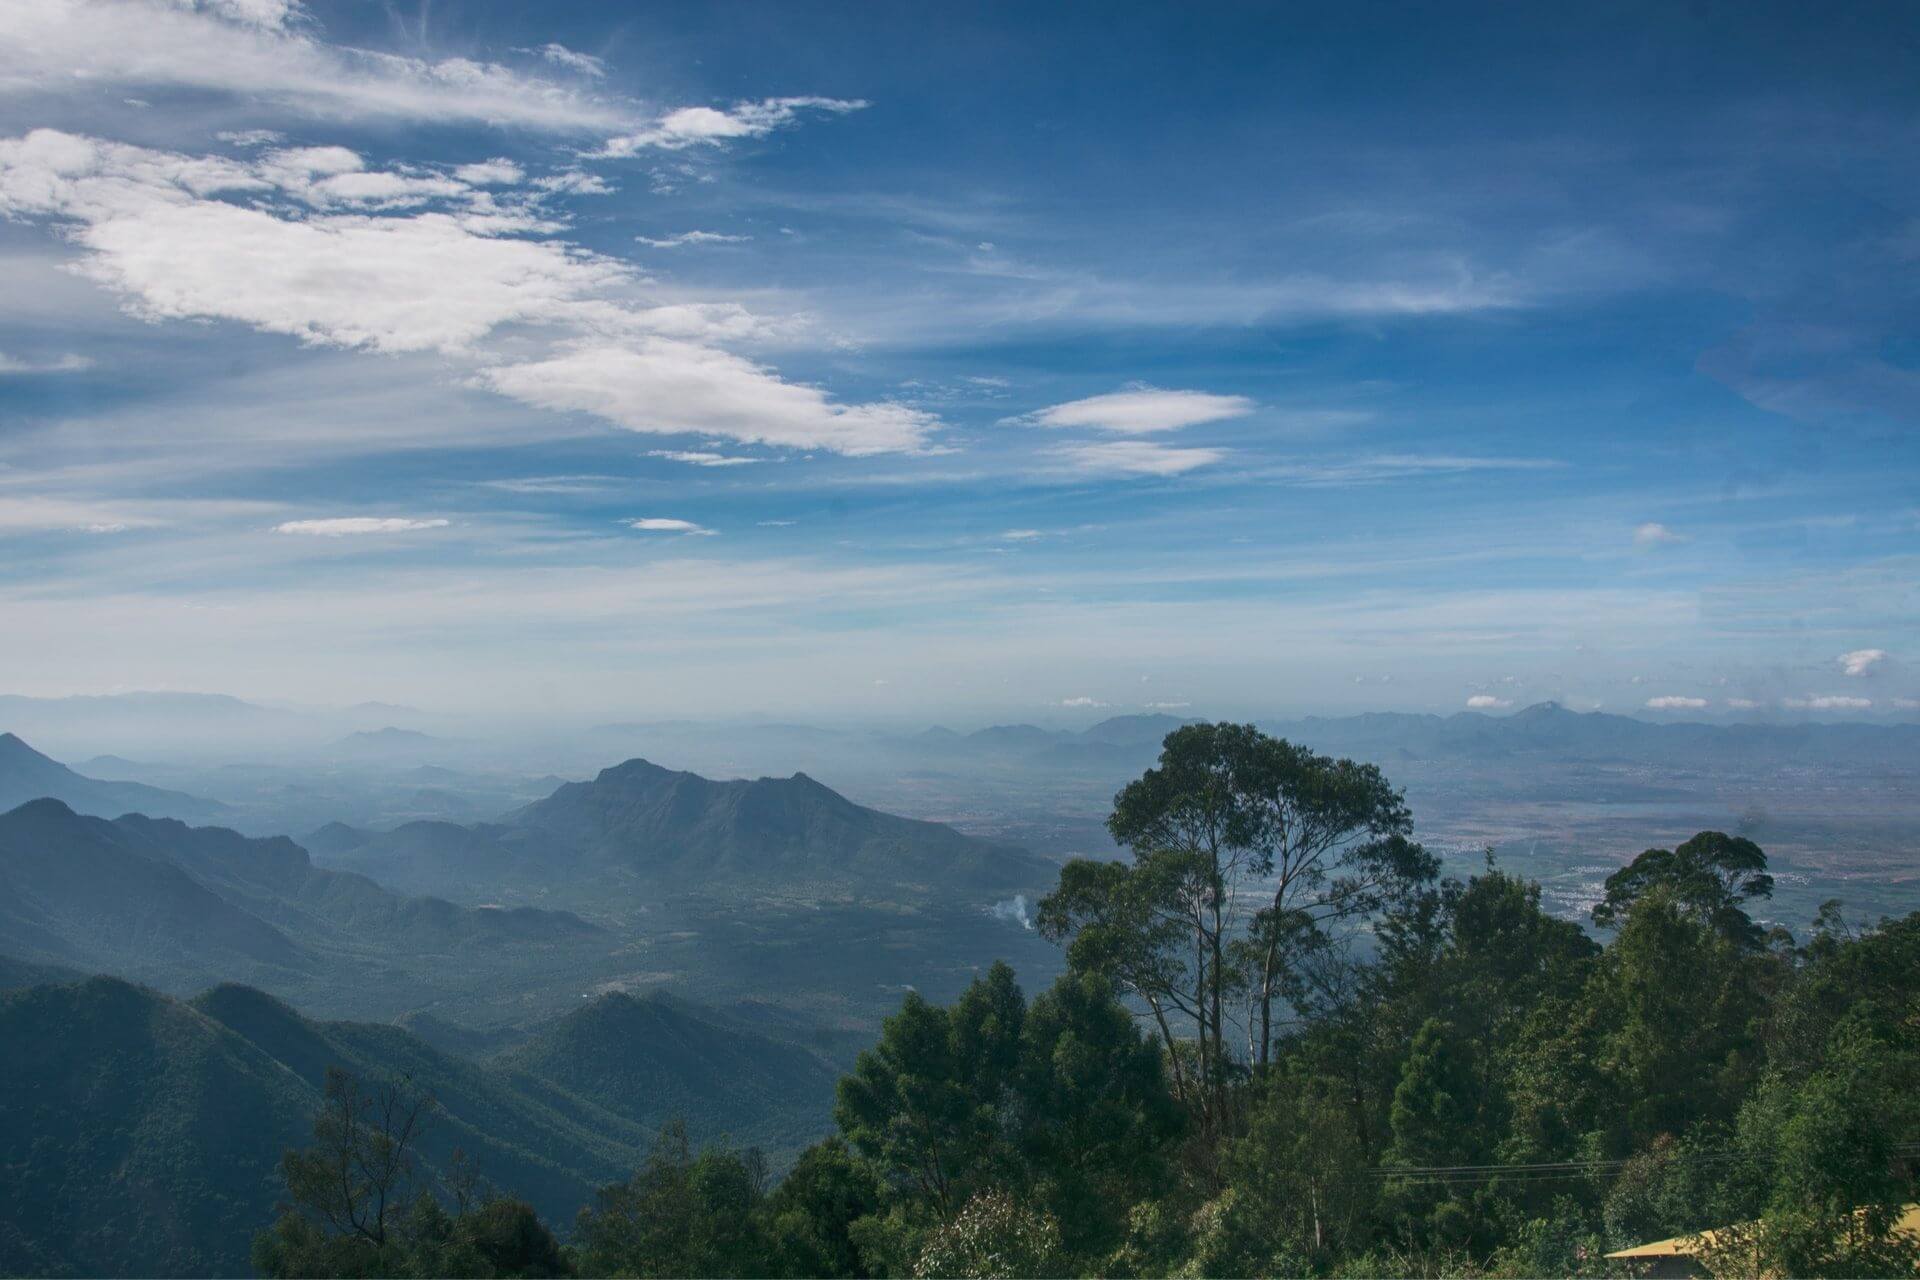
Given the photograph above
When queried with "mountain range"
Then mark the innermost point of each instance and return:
(182, 906)
(25, 775)
(140, 1134)
(662, 830)
(1545, 731)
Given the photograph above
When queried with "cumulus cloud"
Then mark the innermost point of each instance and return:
(1653, 534)
(707, 126)
(1861, 662)
(210, 237)
(1828, 702)
(1675, 702)
(351, 526)
(1081, 703)
(1143, 410)
(685, 238)
(666, 524)
(496, 172)
(1487, 702)
(257, 49)
(1137, 457)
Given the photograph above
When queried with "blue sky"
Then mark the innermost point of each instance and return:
(971, 362)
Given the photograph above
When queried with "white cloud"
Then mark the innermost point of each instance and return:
(1487, 702)
(579, 484)
(701, 458)
(574, 182)
(41, 514)
(1020, 535)
(1166, 706)
(1081, 703)
(1828, 702)
(1907, 704)
(705, 126)
(153, 232)
(666, 386)
(666, 524)
(1861, 662)
(254, 49)
(68, 363)
(1142, 410)
(247, 139)
(1743, 704)
(351, 526)
(1674, 702)
(497, 172)
(183, 237)
(583, 63)
(1137, 457)
(1654, 534)
(685, 238)
(1382, 468)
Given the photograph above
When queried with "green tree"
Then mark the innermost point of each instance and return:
(1709, 879)
(1095, 1124)
(1437, 1124)
(678, 1215)
(348, 1191)
(813, 1209)
(1681, 1001)
(996, 1236)
(1331, 837)
(925, 1104)
(1299, 1175)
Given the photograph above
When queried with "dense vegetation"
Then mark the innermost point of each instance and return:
(1285, 1046)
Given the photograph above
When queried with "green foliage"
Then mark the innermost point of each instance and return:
(680, 1214)
(1094, 1118)
(1709, 878)
(993, 1235)
(1299, 1175)
(813, 1210)
(350, 1213)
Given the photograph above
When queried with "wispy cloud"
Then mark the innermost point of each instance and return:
(1143, 410)
(686, 238)
(204, 237)
(581, 63)
(259, 50)
(1828, 702)
(709, 126)
(702, 458)
(68, 363)
(1136, 457)
(356, 526)
(667, 524)
(1487, 702)
(1675, 702)
(582, 484)
(1653, 534)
